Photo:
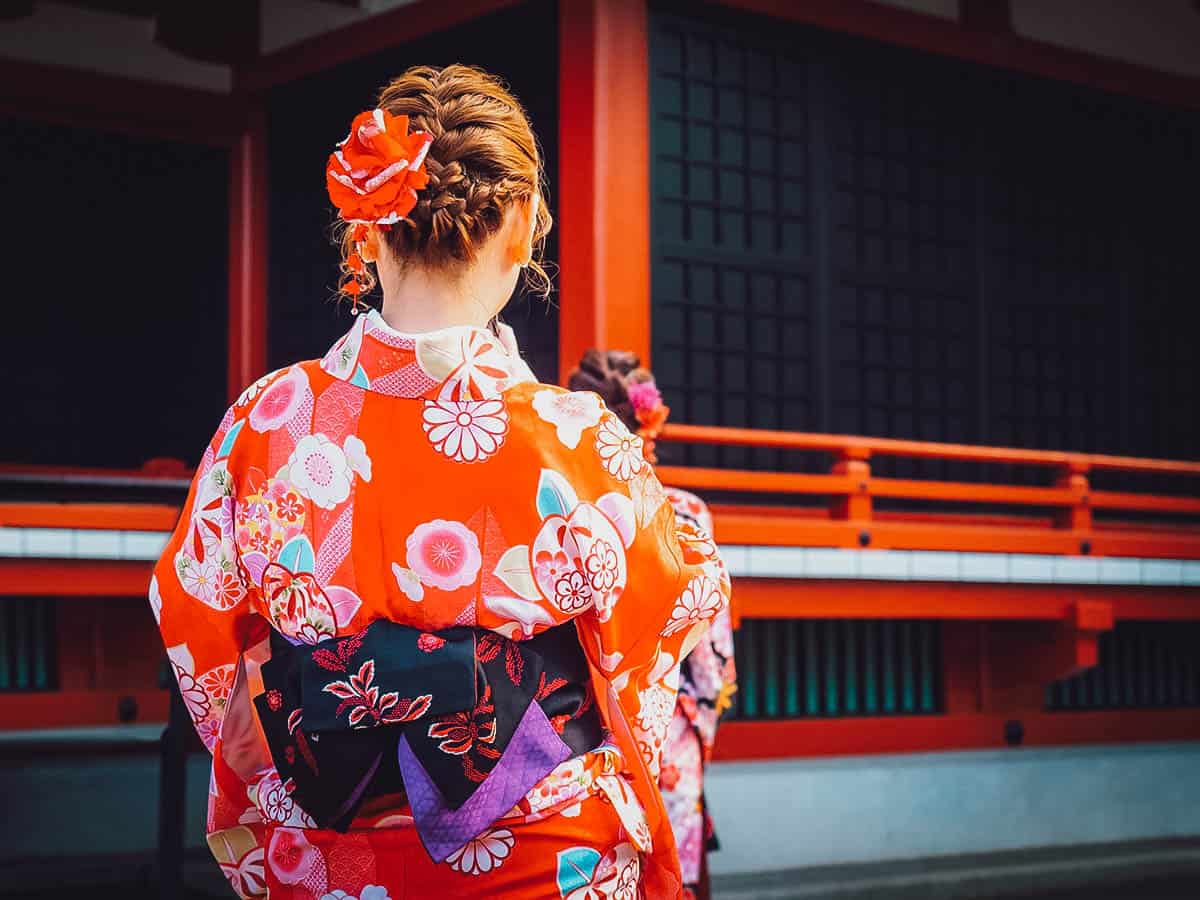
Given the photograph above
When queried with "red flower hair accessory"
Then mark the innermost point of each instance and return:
(373, 178)
(374, 175)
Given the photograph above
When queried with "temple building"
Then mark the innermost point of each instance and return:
(917, 278)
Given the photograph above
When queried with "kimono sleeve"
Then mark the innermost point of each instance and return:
(709, 676)
(671, 585)
(198, 594)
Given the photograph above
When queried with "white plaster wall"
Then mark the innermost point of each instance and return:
(1161, 34)
(66, 35)
(795, 813)
(78, 807)
(769, 815)
(59, 34)
(286, 22)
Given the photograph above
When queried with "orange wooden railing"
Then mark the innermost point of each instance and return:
(841, 510)
(167, 479)
(1002, 643)
(1055, 518)
(1047, 630)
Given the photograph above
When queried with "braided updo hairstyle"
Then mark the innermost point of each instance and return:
(484, 158)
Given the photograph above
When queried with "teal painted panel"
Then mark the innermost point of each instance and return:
(27, 644)
(771, 673)
(870, 668)
(791, 662)
(888, 658)
(838, 668)
(812, 689)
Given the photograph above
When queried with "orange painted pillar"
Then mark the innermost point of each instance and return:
(248, 254)
(604, 178)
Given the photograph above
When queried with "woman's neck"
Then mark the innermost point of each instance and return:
(419, 301)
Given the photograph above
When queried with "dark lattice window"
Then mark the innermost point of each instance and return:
(1161, 259)
(1051, 243)
(733, 324)
(799, 668)
(1142, 664)
(733, 154)
(866, 239)
(904, 369)
(902, 311)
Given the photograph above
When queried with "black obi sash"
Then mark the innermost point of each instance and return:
(462, 721)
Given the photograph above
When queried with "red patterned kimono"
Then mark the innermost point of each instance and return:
(428, 480)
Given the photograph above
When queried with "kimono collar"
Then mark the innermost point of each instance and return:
(459, 363)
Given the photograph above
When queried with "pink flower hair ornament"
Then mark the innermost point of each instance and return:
(651, 412)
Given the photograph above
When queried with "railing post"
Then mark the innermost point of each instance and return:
(172, 794)
(1077, 516)
(855, 504)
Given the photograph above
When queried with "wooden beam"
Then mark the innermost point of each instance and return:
(1026, 656)
(604, 178)
(932, 34)
(81, 99)
(123, 516)
(76, 708)
(225, 32)
(16, 9)
(782, 598)
(799, 738)
(989, 16)
(370, 35)
(74, 578)
(248, 253)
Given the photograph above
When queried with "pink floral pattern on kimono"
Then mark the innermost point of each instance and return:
(707, 681)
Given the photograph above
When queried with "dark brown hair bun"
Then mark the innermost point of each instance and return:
(606, 374)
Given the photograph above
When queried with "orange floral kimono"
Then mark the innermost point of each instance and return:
(429, 480)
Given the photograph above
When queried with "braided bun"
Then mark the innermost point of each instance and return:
(483, 158)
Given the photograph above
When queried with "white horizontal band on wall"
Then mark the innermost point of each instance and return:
(926, 565)
(743, 561)
(81, 543)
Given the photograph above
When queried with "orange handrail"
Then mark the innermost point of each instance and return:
(738, 480)
(118, 516)
(849, 517)
(858, 447)
(1152, 502)
(1053, 518)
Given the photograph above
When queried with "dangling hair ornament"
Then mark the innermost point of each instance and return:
(648, 406)
(373, 177)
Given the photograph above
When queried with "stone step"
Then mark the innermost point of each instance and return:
(1127, 870)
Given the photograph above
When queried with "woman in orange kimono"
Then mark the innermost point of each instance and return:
(708, 678)
(427, 613)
